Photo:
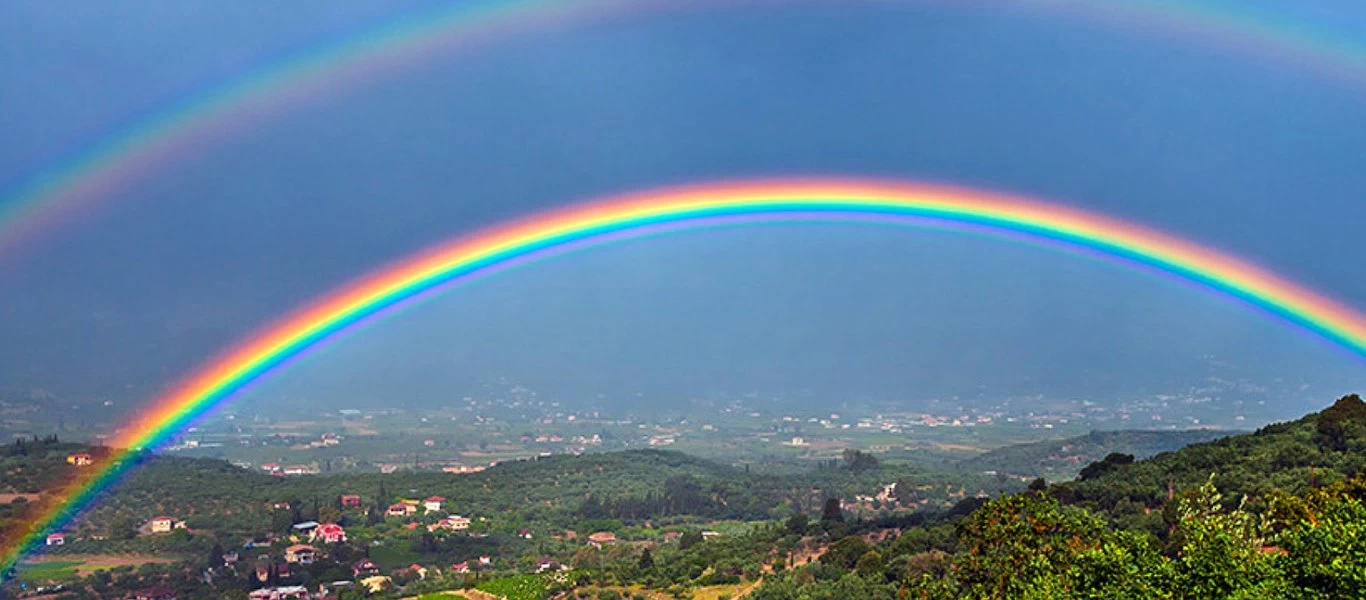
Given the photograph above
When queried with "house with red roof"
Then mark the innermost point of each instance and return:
(56, 539)
(350, 501)
(433, 503)
(602, 537)
(80, 460)
(328, 533)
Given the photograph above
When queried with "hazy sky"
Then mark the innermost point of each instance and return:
(1257, 157)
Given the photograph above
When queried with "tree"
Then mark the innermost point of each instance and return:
(647, 561)
(846, 552)
(1221, 553)
(858, 460)
(797, 524)
(1325, 540)
(869, 564)
(1111, 462)
(689, 539)
(832, 513)
(216, 556)
(1345, 419)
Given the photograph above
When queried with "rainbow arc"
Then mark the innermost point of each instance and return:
(560, 231)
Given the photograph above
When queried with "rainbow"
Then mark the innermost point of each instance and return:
(693, 206)
(71, 185)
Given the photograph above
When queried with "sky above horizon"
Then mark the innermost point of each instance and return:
(1252, 156)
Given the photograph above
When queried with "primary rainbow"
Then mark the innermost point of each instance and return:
(702, 205)
(71, 184)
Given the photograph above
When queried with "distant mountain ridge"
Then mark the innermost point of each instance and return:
(1063, 459)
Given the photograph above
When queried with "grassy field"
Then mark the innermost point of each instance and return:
(67, 567)
(52, 570)
(715, 592)
(394, 556)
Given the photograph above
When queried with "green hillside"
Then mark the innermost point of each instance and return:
(1316, 450)
(1064, 459)
(1277, 513)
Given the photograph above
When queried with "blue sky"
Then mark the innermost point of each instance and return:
(1254, 157)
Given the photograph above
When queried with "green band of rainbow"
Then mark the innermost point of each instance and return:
(69, 185)
(556, 231)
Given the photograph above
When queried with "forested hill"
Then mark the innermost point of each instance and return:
(1064, 459)
(1317, 450)
(631, 486)
(1283, 517)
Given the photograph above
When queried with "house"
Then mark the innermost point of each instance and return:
(56, 539)
(306, 526)
(301, 470)
(301, 553)
(451, 523)
(433, 503)
(415, 570)
(706, 535)
(350, 501)
(270, 467)
(80, 460)
(602, 537)
(280, 593)
(461, 567)
(672, 536)
(159, 592)
(163, 524)
(329, 533)
(485, 561)
(401, 509)
(546, 565)
(376, 583)
(524, 534)
(231, 558)
(364, 567)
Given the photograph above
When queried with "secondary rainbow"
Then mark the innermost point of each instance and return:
(69, 186)
(700, 205)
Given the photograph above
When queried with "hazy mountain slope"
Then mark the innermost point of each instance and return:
(1063, 459)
